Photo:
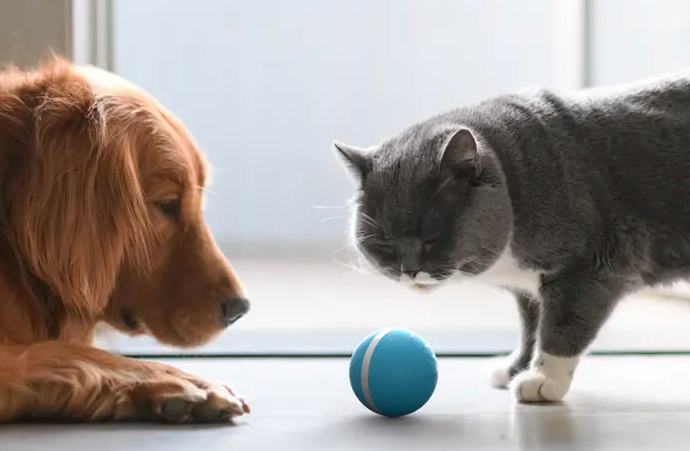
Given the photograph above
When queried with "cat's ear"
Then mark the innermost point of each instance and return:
(460, 156)
(356, 160)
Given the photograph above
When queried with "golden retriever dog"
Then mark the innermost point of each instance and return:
(101, 192)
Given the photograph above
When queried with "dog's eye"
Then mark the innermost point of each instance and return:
(170, 208)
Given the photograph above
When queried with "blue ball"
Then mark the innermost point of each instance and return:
(393, 372)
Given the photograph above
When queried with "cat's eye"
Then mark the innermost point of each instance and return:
(382, 247)
(484, 178)
(474, 182)
(429, 243)
(169, 208)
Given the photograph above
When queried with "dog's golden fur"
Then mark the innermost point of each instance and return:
(100, 220)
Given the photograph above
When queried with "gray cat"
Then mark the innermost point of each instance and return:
(571, 200)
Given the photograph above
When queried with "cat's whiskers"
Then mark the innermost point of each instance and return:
(363, 265)
(441, 186)
(477, 285)
(351, 265)
(459, 272)
(329, 207)
(493, 251)
(330, 218)
(356, 260)
(208, 191)
(351, 244)
(342, 248)
(362, 239)
(370, 221)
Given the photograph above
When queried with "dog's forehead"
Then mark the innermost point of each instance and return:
(188, 145)
(105, 83)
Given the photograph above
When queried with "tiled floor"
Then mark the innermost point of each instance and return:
(616, 403)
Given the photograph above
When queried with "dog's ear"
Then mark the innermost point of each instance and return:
(81, 209)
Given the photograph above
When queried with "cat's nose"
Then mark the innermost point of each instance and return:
(410, 264)
(412, 273)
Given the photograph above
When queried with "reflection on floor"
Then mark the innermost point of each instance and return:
(616, 403)
(317, 294)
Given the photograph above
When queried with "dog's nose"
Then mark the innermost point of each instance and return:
(233, 309)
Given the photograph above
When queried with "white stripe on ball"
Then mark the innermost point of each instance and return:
(365, 367)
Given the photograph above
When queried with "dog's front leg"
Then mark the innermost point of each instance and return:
(59, 381)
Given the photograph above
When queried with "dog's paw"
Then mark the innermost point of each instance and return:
(182, 398)
(535, 386)
(205, 403)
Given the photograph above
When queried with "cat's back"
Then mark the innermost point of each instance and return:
(613, 131)
(637, 133)
(670, 89)
(605, 158)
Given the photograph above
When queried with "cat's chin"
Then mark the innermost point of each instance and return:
(424, 289)
(422, 282)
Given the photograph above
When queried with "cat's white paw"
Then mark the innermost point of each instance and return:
(535, 386)
(499, 374)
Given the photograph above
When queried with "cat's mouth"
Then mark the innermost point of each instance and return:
(421, 281)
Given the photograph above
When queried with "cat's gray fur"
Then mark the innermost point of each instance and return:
(591, 189)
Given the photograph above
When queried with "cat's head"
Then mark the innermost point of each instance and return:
(431, 203)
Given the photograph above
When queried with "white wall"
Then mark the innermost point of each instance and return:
(265, 85)
(639, 38)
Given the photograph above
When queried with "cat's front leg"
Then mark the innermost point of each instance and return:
(573, 309)
(507, 367)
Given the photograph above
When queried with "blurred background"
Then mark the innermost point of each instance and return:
(266, 85)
